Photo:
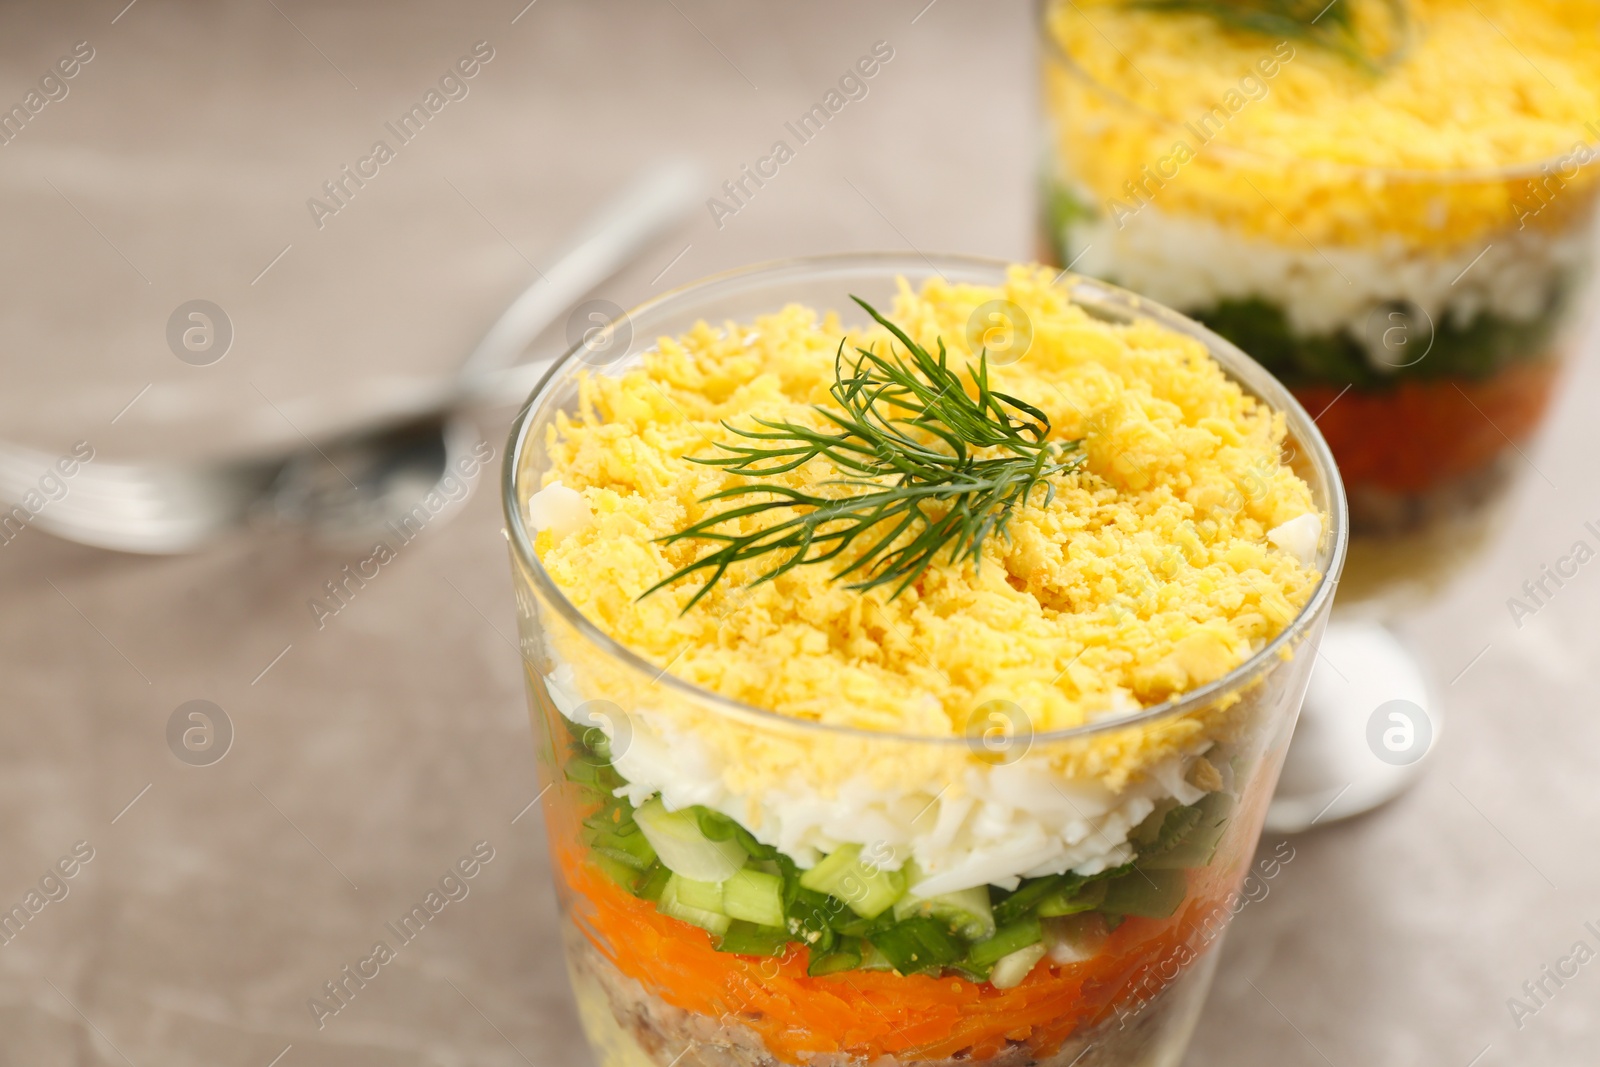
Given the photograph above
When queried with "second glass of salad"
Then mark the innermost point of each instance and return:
(912, 647)
(1391, 205)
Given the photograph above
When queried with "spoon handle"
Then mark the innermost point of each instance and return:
(657, 200)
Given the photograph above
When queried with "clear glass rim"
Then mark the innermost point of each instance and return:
(1239, 367)
(1466, 175)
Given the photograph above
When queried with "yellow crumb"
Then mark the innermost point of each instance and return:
(1335, 152)
(1149, 573)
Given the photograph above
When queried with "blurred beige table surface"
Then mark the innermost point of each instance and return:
(374, 749)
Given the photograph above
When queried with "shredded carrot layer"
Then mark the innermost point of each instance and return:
(1422, 434)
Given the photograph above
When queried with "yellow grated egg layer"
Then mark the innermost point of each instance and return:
(1295, 142)
(1150, 572)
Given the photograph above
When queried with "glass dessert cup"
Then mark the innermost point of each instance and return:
(1106, 965)
(1423, 317)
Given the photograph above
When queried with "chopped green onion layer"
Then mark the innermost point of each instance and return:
(750, 939)
(967, 911)
(683, 848)
(868, 889)
(672, 904)
(1007, 939)
(755, 897)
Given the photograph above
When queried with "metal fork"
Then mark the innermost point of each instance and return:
(355, 484)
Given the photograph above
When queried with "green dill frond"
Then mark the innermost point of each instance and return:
(906, 438)
(1370, 33)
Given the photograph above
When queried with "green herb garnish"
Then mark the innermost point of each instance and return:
(919, 474)
(1337, 26)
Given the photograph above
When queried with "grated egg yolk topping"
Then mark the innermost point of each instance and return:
(1151, 571)
(1485, 117)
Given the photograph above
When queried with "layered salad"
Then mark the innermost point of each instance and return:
(1389, 203)
(851, 750)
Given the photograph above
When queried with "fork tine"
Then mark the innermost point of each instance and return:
(157, 509)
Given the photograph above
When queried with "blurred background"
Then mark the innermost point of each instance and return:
(365, 750)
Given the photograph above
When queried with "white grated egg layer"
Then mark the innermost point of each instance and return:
(1193, 263)
(1012, 821)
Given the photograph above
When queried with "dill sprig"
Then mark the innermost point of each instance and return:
(1335, 25)
(919, 477)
